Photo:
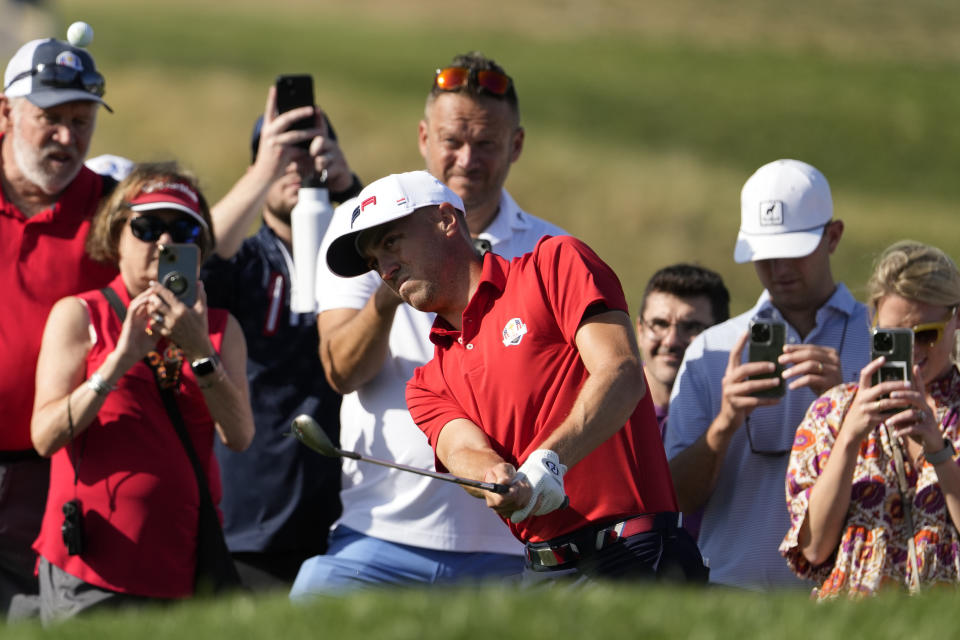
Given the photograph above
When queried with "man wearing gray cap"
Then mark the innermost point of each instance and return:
(728, 446)
(48, 110)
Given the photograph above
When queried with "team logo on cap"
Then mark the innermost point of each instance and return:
(513, 332)
(69, 59)
(771, 213)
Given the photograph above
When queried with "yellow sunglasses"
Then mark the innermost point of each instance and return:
(929, 333)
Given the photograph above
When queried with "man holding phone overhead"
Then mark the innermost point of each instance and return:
(729, 436)
(279, 498)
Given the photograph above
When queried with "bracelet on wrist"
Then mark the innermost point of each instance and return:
(100, 386)
(947, 453)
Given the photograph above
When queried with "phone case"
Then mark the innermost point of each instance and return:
(766, 345)
(295, 91)
(177, 270)
(896, 345)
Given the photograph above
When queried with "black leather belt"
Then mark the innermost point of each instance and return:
(569, 548)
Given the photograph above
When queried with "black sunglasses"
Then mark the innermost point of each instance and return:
(150, 228)
(59, 76)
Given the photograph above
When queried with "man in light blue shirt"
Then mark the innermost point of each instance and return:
(728, 449)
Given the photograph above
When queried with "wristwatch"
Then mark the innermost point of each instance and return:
(205, 366)
(947, 453)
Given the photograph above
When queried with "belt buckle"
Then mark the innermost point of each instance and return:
(553, 556)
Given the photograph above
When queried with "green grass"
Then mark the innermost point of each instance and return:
(599, 612)
(643, 121)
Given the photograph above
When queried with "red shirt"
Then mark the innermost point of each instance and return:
(137, 486)
(42, 259)
(515, 371)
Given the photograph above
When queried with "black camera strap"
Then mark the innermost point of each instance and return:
(215, 568)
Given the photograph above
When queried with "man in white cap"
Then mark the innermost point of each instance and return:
(728, 449)
(535, 383)
(48, 110)
(397, 527)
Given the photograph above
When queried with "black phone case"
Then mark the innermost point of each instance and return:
(769, 352)
(899, 357)
(295, 91)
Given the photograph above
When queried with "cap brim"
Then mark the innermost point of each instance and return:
(753, 247)
(47, 99)
(158, 206)
(343, 258)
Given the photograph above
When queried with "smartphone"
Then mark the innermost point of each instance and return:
(766, 345)
(896, 346)
(177, 270)
(296, 91)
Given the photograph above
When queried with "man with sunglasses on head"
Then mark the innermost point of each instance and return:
(728, 448)
(398, 528)
(279, 498)
(48, 111)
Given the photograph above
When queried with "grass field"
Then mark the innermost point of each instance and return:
(643, 121)
(600, 612)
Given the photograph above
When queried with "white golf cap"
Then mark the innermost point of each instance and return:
(784, 208)
(388, 199)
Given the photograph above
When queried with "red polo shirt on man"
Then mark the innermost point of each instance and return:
(42, 259)
(514, 370)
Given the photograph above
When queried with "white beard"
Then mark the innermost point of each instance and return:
(30, 163)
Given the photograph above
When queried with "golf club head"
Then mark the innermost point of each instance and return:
(310, 433)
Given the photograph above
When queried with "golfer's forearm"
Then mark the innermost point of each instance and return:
(604, 404)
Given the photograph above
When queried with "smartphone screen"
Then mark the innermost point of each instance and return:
(766, 345)
(296, 91)
(177, 270)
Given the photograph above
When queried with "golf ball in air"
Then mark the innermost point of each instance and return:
(80, 34)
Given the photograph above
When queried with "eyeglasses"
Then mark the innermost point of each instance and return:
(767, 453)
(658, 327)
(453, 78)
(63, 77)
(150, 228)
(929, 333)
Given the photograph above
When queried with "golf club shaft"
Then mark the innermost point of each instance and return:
(448, 477)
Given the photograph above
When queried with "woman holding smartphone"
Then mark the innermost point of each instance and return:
(873, 484)
(122, 514)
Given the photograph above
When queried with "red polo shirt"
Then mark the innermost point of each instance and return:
(42, 259)
(514, 370)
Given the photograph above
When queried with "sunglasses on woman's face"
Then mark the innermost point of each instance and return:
(150, 228)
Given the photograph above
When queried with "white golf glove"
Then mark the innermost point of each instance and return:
(545, 474)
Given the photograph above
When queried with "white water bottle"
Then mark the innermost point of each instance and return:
(308, 221)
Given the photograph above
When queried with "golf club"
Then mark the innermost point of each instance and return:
(310, 433)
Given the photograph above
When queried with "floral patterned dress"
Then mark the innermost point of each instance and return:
(873, 546)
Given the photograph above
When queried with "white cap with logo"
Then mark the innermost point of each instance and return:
(784, 207)
(385, 200)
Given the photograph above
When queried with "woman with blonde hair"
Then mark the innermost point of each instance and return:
(126, 376)
(873, 485)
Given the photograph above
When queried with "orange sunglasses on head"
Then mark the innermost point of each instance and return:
(453, 78)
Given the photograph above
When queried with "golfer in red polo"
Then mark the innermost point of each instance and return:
(536, 382)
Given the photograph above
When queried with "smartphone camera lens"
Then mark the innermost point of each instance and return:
(882, 342)
(760, 332)
(175, 282)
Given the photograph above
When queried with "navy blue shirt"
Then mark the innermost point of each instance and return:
(278, 495)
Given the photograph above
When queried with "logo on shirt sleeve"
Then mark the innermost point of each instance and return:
(513, 332)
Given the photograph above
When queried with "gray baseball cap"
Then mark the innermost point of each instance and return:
(49, 72)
